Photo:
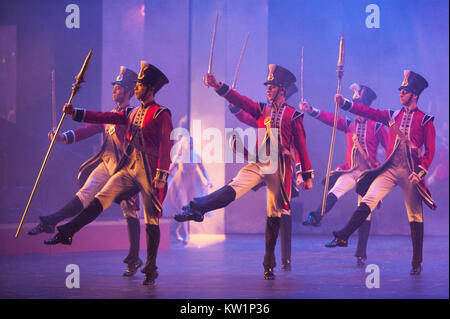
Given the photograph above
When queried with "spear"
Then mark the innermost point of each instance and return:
(75, 88)
(53, 101)
(340, 74)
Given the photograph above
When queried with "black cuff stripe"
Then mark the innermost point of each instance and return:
(70, 136)
(307, 175)
(315, 112)
(347, 105)
(79, 115)
(234, 109)
(223, 90)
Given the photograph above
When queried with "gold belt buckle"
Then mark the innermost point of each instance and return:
(111, 129)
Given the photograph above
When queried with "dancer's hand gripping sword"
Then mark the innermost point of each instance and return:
(75, 88)
(340, 74)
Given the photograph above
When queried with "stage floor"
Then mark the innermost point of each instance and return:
(232, 269)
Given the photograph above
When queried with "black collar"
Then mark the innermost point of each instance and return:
(406, 111)
(148, 104)
(364, 120)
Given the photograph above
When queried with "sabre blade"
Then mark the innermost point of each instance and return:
(233, 85)
(211, 50)
(301, 78)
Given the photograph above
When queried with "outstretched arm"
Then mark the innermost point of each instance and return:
(325, 117)
(82, 115)
(238, 100)
(376, 115)
(243, 116)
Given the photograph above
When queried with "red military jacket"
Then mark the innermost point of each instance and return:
(418, 128)
(155, 126)
(291, 130)
(290, 186)
(246, 118)
(369, 133)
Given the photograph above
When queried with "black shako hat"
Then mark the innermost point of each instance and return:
(280, 76)
(152, 76)
(413, 82)
(363, 94)
(126, 78)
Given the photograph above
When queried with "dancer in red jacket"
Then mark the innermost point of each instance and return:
(410, 131)
(95, 172)
(363, 138)
(144, 167)
(276, 172)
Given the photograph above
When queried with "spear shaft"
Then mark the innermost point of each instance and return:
(53, 101)
(340, 74)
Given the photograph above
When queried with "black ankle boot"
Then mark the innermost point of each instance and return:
(134, 234)
(269, 274)
(358, 217)
(272, 230)
(66, 231)
(363, 236)
(201, 205)
(315, 217)
(218, 199)
(153, 236)
(48, 223)
(42, 227)
(286, 239)
(417, 242)
(72, 208)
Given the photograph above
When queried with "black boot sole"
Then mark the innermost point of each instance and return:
(55, 241)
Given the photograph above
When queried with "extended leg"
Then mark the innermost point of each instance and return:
(66, 231)
(315, 217)
(248, 177)
(115, 186)
(380, 187)
(344, 183)
(48, 223)
(94, 183)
